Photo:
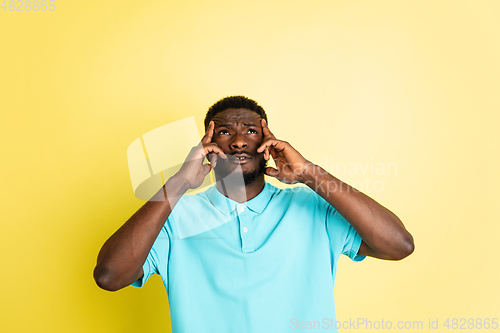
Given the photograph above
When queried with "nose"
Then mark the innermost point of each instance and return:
(238, 141)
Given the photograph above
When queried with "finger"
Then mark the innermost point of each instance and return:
(272, 172)
(265, 130)
(270, 145)
(207, 138)
(270, 152)
(213, 160)
(213, 148)
(274, 153)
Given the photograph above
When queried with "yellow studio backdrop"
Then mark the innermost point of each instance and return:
(398, 98)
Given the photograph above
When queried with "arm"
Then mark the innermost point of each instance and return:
(120, 260)
(384, 235)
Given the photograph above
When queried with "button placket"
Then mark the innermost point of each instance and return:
(247, 241)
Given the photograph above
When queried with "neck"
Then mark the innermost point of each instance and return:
(236, 190)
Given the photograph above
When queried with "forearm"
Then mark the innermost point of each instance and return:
(120, 260)
(380, 229)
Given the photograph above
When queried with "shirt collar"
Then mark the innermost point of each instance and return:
(226, 205)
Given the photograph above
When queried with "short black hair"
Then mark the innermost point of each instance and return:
(234, 102)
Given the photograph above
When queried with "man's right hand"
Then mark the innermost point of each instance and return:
(193, 171)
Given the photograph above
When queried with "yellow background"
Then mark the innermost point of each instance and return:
(415, 83)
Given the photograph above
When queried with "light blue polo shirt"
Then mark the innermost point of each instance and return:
(266, 265)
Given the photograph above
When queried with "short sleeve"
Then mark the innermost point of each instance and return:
(343, 238)
(157, 260)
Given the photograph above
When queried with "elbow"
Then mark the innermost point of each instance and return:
(405, 247)
(104, 279)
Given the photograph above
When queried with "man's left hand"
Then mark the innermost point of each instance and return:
(291, 166)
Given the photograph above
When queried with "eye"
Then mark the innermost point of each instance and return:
(253, 131)
(223, 132)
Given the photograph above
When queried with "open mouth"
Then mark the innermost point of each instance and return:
(240, 158)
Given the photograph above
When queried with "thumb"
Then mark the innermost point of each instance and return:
(206, 169)
(272, 172)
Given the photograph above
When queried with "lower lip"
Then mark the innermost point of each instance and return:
(237, 161)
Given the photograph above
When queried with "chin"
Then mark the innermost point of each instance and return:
(251, 176)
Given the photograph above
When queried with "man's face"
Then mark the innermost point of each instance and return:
(238, 132)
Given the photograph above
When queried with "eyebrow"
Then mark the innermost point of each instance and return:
(231, 125)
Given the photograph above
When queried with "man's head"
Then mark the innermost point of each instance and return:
(234, 102)
(238, 132)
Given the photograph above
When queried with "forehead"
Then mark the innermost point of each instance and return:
(231, 116)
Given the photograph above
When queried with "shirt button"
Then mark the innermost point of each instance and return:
(242, 209)
(245, 229)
